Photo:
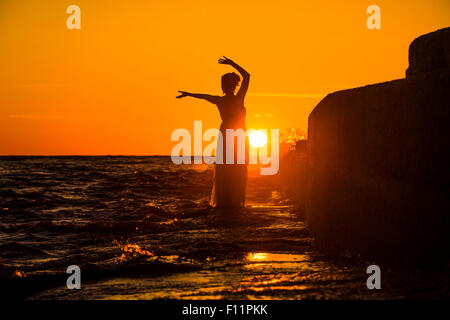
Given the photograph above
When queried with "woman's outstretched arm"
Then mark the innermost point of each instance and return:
(207, 97)
(245, 75)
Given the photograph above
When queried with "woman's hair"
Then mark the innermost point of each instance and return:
(230, 82)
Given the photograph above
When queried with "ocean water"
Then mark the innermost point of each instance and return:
(141, 228)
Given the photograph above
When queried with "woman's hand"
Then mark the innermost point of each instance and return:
(183, 94)
(225, 60)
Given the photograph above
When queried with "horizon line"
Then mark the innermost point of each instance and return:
(84, 155)
(98, 155)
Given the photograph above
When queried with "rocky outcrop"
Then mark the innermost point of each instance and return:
(378, 162)
(293, 176)
(430, 52)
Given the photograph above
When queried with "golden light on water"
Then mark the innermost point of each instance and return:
(257, 139)
(19, 274)
(259, 256)
(131, 250)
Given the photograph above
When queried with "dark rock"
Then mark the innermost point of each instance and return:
(378, 165)
(429, 52)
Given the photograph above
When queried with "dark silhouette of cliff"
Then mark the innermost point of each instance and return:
(378, 163)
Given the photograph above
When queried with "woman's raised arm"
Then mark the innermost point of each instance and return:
(245, 75)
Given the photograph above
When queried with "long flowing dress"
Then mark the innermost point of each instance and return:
(230, 180)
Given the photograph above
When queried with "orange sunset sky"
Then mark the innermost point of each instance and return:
(110, 87)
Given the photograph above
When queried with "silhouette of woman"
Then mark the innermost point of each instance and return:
(230, 180)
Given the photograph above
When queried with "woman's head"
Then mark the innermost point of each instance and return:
(229, 82)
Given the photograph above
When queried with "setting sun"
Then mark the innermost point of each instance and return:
(257, 139)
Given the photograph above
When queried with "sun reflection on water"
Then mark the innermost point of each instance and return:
(260, 256)
(275, 257)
